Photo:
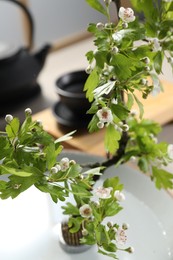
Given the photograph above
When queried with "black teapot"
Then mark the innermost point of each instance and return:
(19, 67)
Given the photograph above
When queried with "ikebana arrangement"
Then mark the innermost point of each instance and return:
(128, 58)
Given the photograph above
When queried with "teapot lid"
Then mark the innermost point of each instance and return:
(7, 51)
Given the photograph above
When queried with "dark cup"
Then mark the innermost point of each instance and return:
(69, 88)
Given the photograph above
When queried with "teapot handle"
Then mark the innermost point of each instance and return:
(30, 20)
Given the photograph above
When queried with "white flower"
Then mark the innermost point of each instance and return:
(119, 195)
(28, 111)
(103, 193)
(126, 14)
(64, 164)
(121, 236)
(8, 118)
(168, 1)
(170, 151)
(105, 115)
(85, 211)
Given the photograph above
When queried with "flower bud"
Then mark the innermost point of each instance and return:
(8, 118)
(39, 122)
(88, 69)
(125, 25)
(147, 68)
(84, 232)
(146, 60)
(130, 250)
(100, 26)
(107, 2)
(119, 195)
(115, 50)
(72, 162)
(54, 170)
(125, 127)
(125, 226)
(100, 125)
(28, 112)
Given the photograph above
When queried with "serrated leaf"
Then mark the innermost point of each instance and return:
(50, 155)
(70, 209)
(17, 172)
(162, 178)
(130, 101)
(111, 209)
(90, 84)
(65, 137)
(120, 111)
(112, 136)
(105, 89)
(140, 105)
(13, 128)
(158, 60)
(74, 171)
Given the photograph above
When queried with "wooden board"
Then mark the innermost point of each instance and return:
(159, 108)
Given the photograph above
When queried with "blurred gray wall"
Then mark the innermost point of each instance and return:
(53, 19)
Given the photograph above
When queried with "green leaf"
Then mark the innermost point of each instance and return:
(113, 182)
(143, 164)
(13, 128)
(80, 191)
(101, 58)
(90, 84)
(75, 224)
(158, 60)
(97, 6)
(112, 136)
(111, 247)
(140, 105)
(105, 89)
(93, 124)
(74, 171)
(17, 172)
(50, 155)
(56, 192)
(162, 178)
(70, 209)
(112, 208)
(16, 185)
(120, 111)
(122, 66)
(107, 254)
(102, 235)
(65, 137)
(130, 101)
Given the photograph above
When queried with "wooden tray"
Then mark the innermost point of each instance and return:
(159, 108)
